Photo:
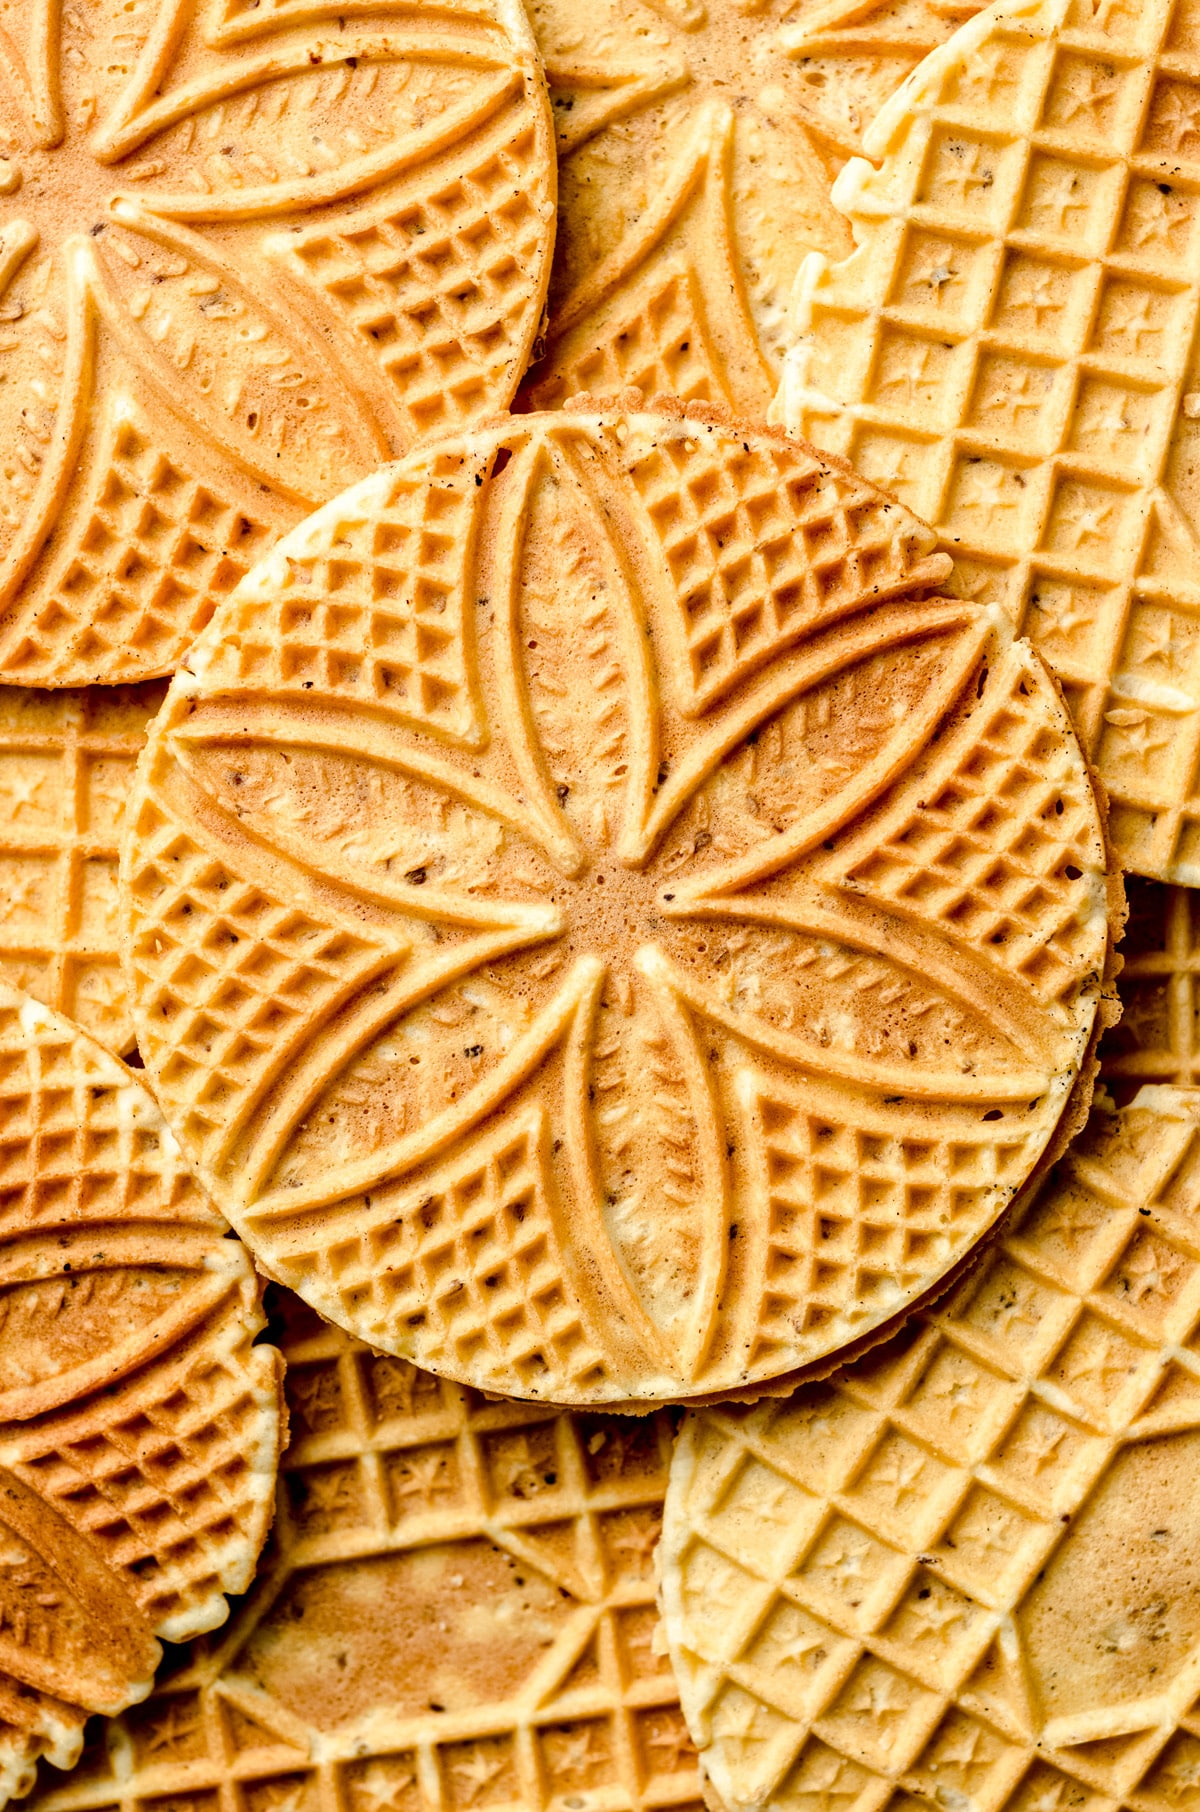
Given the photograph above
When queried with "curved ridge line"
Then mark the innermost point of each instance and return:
(443, 1129)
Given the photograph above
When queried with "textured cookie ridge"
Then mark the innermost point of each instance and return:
(456, 1610)
(139, 1424)
(696, 145)
(1009, 350)
(66, 767)
(246, 254)
(599, 927)
(962, 1566)
(1156, 1038)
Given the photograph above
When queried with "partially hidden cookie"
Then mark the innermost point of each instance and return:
(248, 250)
(962, 1573)
(697, 142)
(455, 1612)
(66, 768)
(597, 925)
(1010, 350)
(139, 1423)
(1158, 1036)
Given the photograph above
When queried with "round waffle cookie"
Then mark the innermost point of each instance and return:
(599, 928)
(1010, 350)
(66, 767)
(139, 1425)
(697, 143)
(962, 1573)
(248, 250)
(455, 1612)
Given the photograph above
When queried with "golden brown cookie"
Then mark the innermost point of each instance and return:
(66, 767)
(962, 1573)
(139, 1425)
(1010, 350)
(597, 925)
(248, 250)
(455, 1612)
(697, 142)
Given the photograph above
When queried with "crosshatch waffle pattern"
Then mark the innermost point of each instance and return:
(229, 290)
(1009, 350)
(139, 1422)
(66, 767)
(955, 1573)
(456, 1610)
(570, 864)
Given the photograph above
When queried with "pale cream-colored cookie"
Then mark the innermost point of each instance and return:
(455, 1612)
(1010, 350)
(597, 925)
(962, 1572)
(140, 1425)
(248, 250)
(697, 142)
(66, 767)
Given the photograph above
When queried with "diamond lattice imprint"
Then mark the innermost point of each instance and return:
(455, 1611)
(66, 766)
(697, 143)
(139, 1425)
(963, 1572)
(1011, 350)
(598, 926)
(248, 250)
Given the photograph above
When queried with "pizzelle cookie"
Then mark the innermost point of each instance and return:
(697, 142)
(66, 767)
(962, 1572)
(455, 1612)
(598, 927)
(139, 1425)
(248, 250)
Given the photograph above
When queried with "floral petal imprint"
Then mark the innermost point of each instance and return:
(140, 1425)
(964, 1565)
(1010, 349)
(597, 924)
(247, 252)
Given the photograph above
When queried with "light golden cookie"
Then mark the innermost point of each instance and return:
(598, 926)
(139, 1425)
(66, 767)
(697, 143)
(1010, 351)
(455, 1612)
(248, 250)
(962, 1573)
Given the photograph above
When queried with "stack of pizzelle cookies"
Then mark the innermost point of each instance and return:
(595, 607)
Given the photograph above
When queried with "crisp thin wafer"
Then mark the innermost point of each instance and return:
(600, 928)
(456, 1611)
(248, 250)
(1010, 350)
(140, 1425)
(963, 1571)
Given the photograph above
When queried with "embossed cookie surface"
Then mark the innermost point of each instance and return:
(66, 768)
(1010, 351)
(697, 144)
(248, 250)
(455, 1611)
(139, 1426)
(595, 930)
(962, 1573)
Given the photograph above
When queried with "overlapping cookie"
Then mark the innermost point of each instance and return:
(248, 250)
(697, 143)
(1010, 351)
(597, 924)
(66, 767)
(139, 1424)
(962, 1573)
(456, 1611)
